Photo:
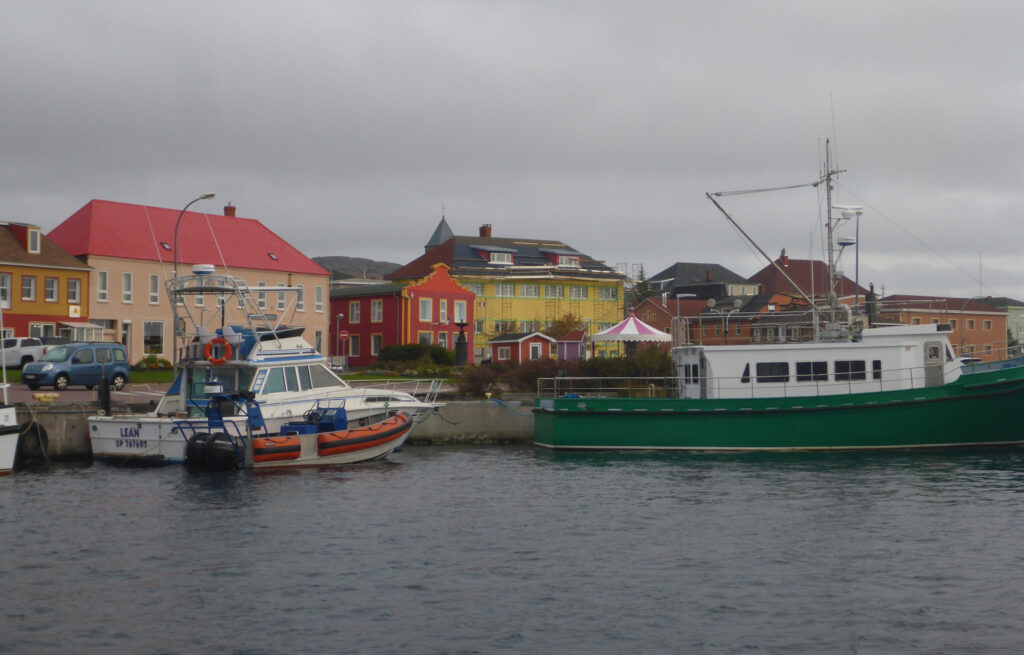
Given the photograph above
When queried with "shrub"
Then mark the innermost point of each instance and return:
(152, 363)
(476, 381)
(413, 352)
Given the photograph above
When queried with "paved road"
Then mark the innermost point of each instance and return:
(132, 393)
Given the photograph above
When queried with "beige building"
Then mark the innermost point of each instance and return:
(130, 249)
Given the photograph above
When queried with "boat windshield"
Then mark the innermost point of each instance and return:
(232, 379)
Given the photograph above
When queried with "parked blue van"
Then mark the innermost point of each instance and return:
(79, 363)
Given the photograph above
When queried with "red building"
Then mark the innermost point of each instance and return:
(520, 347)
(425, 311)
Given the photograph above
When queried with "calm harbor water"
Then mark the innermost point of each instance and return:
(491, 550)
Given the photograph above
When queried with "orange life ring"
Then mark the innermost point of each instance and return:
(208, 351)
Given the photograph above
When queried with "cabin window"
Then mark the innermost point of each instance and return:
(811, 371)
(275, 381)
(304, 382)
(772, 372)
(876, 369)
(321, 377)
(291, 380)
(850, 370)
(746, 374)
(690, 373)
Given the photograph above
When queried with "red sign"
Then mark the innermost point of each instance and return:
(343, 335)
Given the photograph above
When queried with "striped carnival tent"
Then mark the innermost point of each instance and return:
(632, 330)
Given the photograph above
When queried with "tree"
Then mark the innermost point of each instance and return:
(642, 289)
(563, 326)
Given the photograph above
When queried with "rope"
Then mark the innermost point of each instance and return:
(776, 188)
(509, 408)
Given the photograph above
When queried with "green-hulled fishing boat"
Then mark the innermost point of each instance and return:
(851, 388)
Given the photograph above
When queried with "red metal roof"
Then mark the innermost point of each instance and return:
(117, 229)
(937, 304)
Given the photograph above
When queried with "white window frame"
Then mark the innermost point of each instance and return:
(504, 258)
(51, 293)
(442, 339)
(529, 291)
(5, 290)
(460, 311)
(554, 291)
(569, 261)
(300, 298)
(34, 241)
(282, 304)
(30, 280)
(607, 293)
(318, 299)
(261, 296)
(376, 343)
(154, 289)
(442, 311)
(536, 351)
(354, 311)
(377, 310)
(504, 353)
(102, 286)
(578, 293)
(426, 312)
(504, 290)
(127, 287)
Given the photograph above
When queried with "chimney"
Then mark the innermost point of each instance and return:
(485, 230)
(229, 210)
(784, 258)
(708, 276)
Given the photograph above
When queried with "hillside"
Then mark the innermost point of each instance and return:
(359, 267)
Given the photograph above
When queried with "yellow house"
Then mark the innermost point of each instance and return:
(44, 290)
(522, 285)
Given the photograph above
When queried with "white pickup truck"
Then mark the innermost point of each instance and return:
(18, 351)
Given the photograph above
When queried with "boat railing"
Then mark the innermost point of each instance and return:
(753, 386)
(425, 389)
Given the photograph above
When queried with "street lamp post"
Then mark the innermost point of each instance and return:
(205, 196)
(338, 334)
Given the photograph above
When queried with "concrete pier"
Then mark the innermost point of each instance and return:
(460, 422)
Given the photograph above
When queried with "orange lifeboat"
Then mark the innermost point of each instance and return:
(276, 449)
(361, 438)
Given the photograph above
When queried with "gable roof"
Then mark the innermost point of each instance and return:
(466, 255)
(117, 229)
(575, 336)
(687, 273)
(673, 307)
(810, 274)
(518, 337)
(50, 255)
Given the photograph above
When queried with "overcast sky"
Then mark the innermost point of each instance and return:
(346, 126)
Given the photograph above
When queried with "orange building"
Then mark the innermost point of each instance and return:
(978, 329)
(44, 290)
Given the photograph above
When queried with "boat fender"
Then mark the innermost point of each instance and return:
(208, 350)
(210, 452)
(32, 441)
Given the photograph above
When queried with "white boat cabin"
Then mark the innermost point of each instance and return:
(885, 359)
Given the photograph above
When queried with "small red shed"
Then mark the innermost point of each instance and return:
(520, 347)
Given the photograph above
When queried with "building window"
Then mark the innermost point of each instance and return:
(318, 299)
(478, 325)
(504, 290)
(952, 323)
(300, 298)
(578, 293)
(476, 287)
(353, 311)
(101, 286)
(970, 324)
(153, 337)
(200, 300)
(529, 291)
(988, 350)
(608, 293)
(535, 351)
(915, 321)
(353, 345)
(33, 241)
(5, 290)
(28, 287)
(154, 289)
(569, 260)
(504, 353)
(934, 321)
(552, 291)
(460, 311)
(261, 296)
(38, 330)
(426, 338)
(127, 292)
(876, 369)
(737, 330)
(442, 339)
(501, 258)
(282, 302)
(376, 343)
(426, 305)
(319, 341)
(986, 325)
(376, 311)
(51, 290)
(442, 311)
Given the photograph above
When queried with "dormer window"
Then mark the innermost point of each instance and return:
(569, 260)
(501, 258)
(33, 241)
(165, 245)
(272, 256)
